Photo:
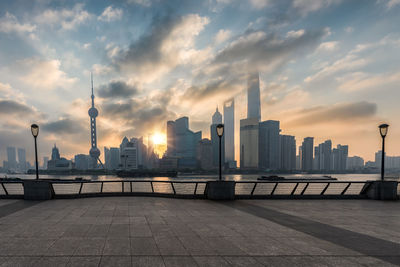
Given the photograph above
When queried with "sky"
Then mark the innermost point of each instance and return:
(329, 69)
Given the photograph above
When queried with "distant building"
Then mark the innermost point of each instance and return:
(168, 163)
(82, 161)
(57, 163)
(112, 159)
(11, 159)
(217, 119)
(269, 147)
(182, 142)
(339, 158)
(287, 153)
(253, 96)
(45, 160)
(229, 132)
(391, 162)
(133, 154)
(22, 166)
(298, 159)
(204, 154)
(355, 163)
(323, 156)
(307, 154)
(249, 143)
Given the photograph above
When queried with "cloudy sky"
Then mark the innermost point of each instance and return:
(328, 68)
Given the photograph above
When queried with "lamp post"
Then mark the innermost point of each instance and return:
(35, 133)
(383, 129)
(220, 133)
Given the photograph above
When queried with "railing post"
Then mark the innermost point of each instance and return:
(195, 189)
(4, 188)
(345, 189)
(173, 188)
(80, 189)
(304, 189)
(273, 190)
(326, 187)
(254, 188)
(294, 189)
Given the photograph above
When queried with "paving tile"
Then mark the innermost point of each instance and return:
(170, 246)
(115, 261)
(118, 231)
(144, 246)
(52, 261)
(147, 261)
(117, 247)
(20, 261)
(90, 247)
(211, 261)
(84, 261)
(243, 261)
(64, 247)
(174, 261)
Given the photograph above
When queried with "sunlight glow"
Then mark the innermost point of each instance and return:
(159, 139)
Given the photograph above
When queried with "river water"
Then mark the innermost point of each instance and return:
(231, 177)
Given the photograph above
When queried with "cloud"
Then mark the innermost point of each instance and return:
(64, 126)
(117, 89)
(9, 23)
(266, 52)
(259, 3)
(222, 35)
(45, 74)
(392, 3)
(339, 113)
(99, 69)
(111, 14)
(11, 107)
(170, 42)
(357, 81)
(145, 3)
(305, 7)
(67, 19)
(328, 46)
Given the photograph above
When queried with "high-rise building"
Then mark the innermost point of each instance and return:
(323, 156)
(45, 160)
(11, 159)
(82, 161)
(307, 148)
(128, 154)
(229, 132)
(269, 148)
(217, 119)
(57, 163)
(339, 158)
(22, 166)
(205, 154)
(111, 157)
(355, 163)
(298, 159)
(287, 152)
(253, 96)
(249, 143)
(94, 151)
(182, 143)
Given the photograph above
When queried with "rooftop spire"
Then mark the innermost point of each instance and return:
(91, 79)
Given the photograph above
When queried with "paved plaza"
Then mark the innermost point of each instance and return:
(149, 231)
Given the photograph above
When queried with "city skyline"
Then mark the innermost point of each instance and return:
(333, 81)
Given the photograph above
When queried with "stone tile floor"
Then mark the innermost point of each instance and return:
(144, 231)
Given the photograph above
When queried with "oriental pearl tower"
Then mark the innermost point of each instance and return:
(93, 113)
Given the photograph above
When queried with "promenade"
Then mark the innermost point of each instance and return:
(150, 231)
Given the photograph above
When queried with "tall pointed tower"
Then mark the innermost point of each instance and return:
(93, 113)
(253, 96)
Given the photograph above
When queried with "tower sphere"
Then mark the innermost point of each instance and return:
(93, 112)
(94, 152)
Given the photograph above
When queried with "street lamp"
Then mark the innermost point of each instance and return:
(220, 133)
(383, 129)
(35, 133)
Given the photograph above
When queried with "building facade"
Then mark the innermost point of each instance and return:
(229, 132)
(307, 158)
(269, 147)
(249, 143)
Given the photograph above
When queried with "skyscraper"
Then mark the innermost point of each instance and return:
(269, 148)
(323, 156)
(11, 158)
(249, 143)
(307, 148)
(339, 158)
(288, 152)
(205, 154)
(22, 159)
(253, 96)
(229, 132)
(217, 119)
(93, 113)
(111, 156)
(182, 142)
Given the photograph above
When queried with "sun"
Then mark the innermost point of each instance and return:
(159, 139)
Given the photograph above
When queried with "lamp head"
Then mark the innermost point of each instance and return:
(220, 130)
(383, 129)
(35, 130)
